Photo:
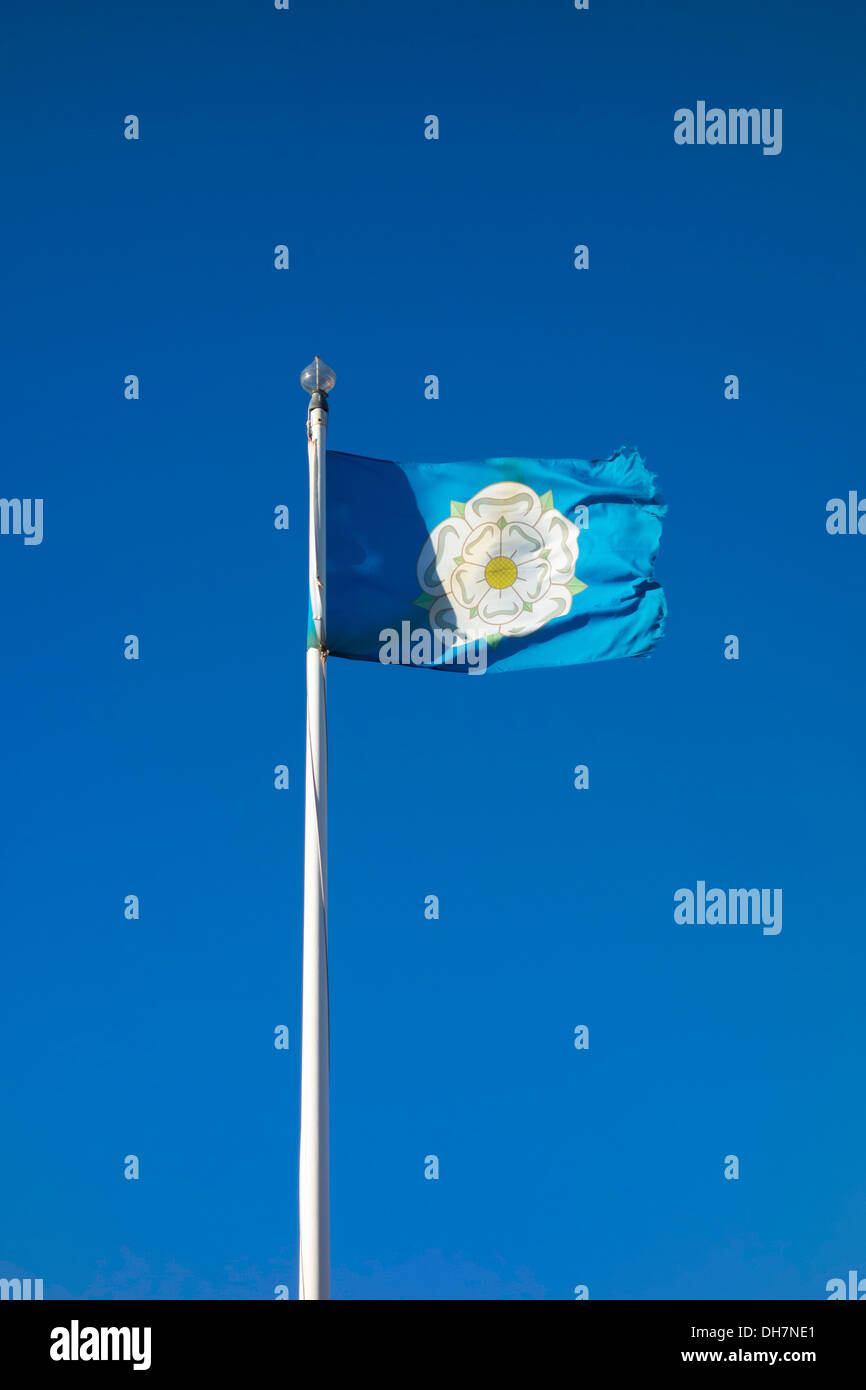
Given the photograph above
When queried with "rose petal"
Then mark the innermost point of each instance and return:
(554, 604)
(468, 585)
(482, 544)
(533, 579)
(446, 612)
(439, 554)
(514, 501)
(561, 538)
(499, 606)
(520, 541)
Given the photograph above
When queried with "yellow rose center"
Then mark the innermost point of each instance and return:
(500, 572)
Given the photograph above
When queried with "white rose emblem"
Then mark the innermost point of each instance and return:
(500, 566)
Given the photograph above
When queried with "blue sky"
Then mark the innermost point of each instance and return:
(155, 777)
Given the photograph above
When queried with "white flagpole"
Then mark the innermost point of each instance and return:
(313, 1181)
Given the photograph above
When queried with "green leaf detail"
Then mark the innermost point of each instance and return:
(576, 586)
(544, 554)
(546, 501)
(494, 639)
(424, 601)
(501, 522)
(473, 612)
(527, 607)
(458, 508)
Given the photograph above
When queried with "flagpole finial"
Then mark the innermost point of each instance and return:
(318, 379)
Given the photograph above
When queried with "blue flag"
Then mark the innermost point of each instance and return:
(503, 563)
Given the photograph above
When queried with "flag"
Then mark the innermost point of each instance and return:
(503, 564)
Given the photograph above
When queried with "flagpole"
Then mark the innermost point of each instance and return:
(313, 1178)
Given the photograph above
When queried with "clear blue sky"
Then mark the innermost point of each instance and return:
(155, 777)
